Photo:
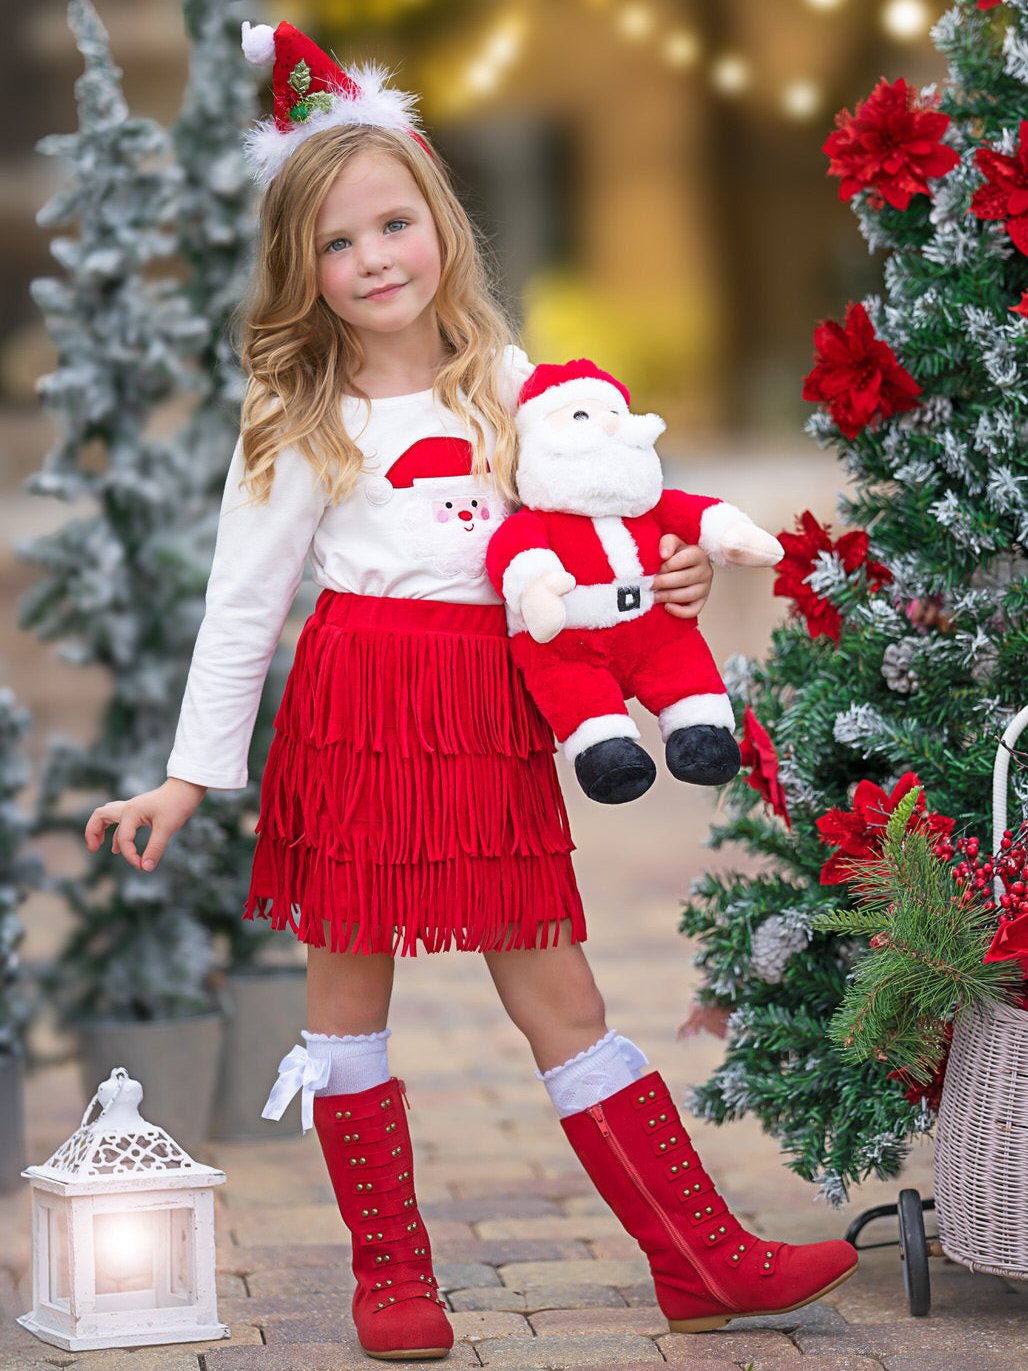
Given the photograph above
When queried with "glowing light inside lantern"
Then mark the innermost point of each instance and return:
(906, 19)
(730, 74)
(125, 1251)
(801, 99)
(825, 4)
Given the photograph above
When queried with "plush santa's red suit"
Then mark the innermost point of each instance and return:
(576, 565)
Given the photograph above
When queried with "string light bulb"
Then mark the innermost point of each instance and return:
(636, 21)
(682, 49)
(730, 74)
(801, 99)
(906, 19)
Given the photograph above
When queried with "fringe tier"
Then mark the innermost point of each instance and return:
(410, 793)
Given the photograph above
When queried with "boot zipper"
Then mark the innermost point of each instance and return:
(678, 1242)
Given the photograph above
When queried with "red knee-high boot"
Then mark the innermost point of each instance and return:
(706, 1267)
(396, 1306)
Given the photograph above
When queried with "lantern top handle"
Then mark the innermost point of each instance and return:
(119, 1098)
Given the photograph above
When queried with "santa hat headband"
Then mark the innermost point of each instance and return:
(312, 92)
(550, 387)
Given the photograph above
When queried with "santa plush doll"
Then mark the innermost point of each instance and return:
(575, 566)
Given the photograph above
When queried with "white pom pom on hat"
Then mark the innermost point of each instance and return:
(258, 43)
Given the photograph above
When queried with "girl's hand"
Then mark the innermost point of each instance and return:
(685, 578)
(163, 811)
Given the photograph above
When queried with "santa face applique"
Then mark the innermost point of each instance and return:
(448, 522)
(446, 514)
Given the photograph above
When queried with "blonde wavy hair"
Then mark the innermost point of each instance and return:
(301, 358)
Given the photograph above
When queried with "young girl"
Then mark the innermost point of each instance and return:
(410, 794)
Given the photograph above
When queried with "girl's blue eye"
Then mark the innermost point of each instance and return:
(331, 247)
(396, 224)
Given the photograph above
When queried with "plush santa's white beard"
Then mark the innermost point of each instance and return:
(581, 476)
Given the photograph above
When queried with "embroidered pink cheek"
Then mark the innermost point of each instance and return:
(483, 512)
(442, 514)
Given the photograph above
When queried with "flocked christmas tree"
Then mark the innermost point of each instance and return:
(120, 588)
(19, 871)
(906, 651)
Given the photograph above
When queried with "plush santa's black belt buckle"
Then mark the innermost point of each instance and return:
(629, 597)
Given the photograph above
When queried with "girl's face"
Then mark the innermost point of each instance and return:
(377, 248)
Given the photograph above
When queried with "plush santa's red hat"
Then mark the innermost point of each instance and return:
(312, 92)
(550, 387)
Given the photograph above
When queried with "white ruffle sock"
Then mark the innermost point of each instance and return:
(328, 1065)
(594, 1075)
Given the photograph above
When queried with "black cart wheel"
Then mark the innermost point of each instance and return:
(914, 1253)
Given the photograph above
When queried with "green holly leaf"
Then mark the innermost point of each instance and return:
(319, 100)
(300, 78)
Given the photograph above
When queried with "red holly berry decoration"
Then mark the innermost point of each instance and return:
(802, 549)
(857, 375)
(890, 146)
(1005, 193)
(988, 4)
(857, 834)
(759, 754)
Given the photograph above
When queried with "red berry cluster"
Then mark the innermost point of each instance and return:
(976, 876)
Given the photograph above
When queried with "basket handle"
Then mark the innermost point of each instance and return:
(1000, 772)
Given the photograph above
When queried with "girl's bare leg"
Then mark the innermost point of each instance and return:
(347, 993)
(551, 996)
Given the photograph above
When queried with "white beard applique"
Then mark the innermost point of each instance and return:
(447, 523)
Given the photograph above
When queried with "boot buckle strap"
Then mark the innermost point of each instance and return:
(718, 1234)
(698, 1213)
(659, 1118)
(683, 1166)
(670, 1144)
(651, 1098)
(766, 1257)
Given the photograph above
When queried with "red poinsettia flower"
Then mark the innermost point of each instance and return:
(758, 753)
(890, 146)
(1022, 306)
(1005, 193)
(988, 4)
(857, 834)
(1011, 941)
(801, 554)
(932, 1092)
(856, 374)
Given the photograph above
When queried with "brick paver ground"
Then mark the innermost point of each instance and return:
(537, 1272)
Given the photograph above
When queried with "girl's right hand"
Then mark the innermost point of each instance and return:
(163, 811)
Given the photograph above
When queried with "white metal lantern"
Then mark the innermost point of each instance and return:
(122, 1233)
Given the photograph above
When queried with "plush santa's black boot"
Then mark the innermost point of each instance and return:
(615, 771)
(703, 754)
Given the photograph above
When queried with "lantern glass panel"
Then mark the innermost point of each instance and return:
(58, 1270)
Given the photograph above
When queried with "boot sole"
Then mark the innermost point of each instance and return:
(712, 1321)
(410, 1354)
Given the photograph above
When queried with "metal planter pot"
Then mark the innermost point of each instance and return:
(174, 1060)
(264, 1011)
(12, 1123)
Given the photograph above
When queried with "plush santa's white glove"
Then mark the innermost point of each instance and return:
(744, 544)
(542, 604)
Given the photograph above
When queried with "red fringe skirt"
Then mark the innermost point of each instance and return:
(410, 792)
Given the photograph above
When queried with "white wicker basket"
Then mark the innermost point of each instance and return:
(981, 1143)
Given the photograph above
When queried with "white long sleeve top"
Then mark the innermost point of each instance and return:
(402, 532)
